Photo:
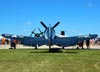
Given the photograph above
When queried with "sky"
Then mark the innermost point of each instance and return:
(77, 17)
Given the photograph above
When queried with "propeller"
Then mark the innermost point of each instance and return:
(43, 24)
(37, 34)
(40, 31)
(32, 32)
(56, 25)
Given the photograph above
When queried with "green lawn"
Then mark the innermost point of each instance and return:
(43, 61)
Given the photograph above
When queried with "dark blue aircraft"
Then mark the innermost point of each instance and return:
(49, 38)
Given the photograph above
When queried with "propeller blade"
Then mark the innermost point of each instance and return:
(33, 32)
(56, 25)
(30, 34)
(39, 30)
(43, 24)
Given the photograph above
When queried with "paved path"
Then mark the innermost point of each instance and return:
(45, 47)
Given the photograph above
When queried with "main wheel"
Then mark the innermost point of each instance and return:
(77, 48)
(62, 47)
(36, 47)
(49, 46)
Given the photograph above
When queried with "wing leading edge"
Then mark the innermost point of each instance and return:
(71, 41)
(26, 40)
(66, 41)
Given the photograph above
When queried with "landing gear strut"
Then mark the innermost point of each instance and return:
(36, 47)
(49, 47)
(62, 47)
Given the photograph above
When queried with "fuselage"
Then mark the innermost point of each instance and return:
(49, 33)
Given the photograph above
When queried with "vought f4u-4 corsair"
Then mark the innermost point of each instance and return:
(49, 38)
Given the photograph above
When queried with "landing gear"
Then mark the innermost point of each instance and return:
(77, 48)
(62, 47)
(49, 48)
(36, 47)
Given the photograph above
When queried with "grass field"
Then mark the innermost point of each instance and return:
(43, 61)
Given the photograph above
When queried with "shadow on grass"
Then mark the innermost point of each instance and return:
(71, 52)
(45, 52)
(54, 50)
(68, 52)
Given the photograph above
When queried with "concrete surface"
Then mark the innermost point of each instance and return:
(46, 47)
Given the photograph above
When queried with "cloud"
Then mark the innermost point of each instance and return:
(24, 30)
(77, 32)
(74, 31)
(90, 4)
(29, 23)
(63, 25)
